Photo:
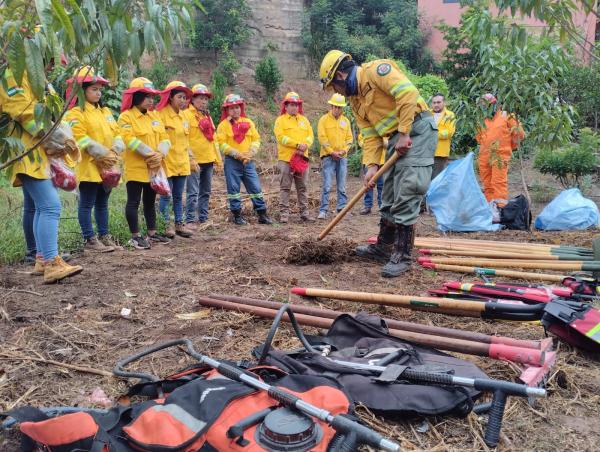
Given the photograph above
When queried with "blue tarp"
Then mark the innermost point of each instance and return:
(569, 210)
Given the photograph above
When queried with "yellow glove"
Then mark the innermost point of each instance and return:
(108, 160)
(72, 150)
(194, 167)
(154, 160)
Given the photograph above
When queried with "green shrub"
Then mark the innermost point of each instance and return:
(355, 162)
(268, 75)
(160, 74)
(217, 88)
(430, 85)
(228, 64)
(571, 163)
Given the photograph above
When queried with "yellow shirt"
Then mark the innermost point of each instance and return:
(446, 129)
(204, 151)
(91, 123)
(139, 127)
(335, 135)
(249, 145)
(178, 129)
(291, 131)
(18, 102)
(361, 143)
(387, 102)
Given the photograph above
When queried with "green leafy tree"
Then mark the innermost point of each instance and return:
(160, 74)
(217, 88)
(571, 163)
(228, 65)
(104, 33)
(223, 26)
(268, 75)
(581, 87)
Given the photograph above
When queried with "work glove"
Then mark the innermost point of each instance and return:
(163, 147)
(194, 167)
(60, 141)
(108, 160)
(154, 160)
(118, 145)
(96, 150)
(144, 150)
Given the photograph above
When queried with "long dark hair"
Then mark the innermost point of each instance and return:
(86, 85)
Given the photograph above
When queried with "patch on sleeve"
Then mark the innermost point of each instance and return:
(384, 69)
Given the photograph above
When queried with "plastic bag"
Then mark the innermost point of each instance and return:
(569, 210)
(159, 182)
(456, 200)
(298, 164)
(110, 177)
(62, 176)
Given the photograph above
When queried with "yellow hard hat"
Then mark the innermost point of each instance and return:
(87, 75)
(176, 84)
(292, 97)
(337, 100)
(142, 83)
(199, 88)
(329, 65)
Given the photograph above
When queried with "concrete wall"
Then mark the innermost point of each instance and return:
(435, 12)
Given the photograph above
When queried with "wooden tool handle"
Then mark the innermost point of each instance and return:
(342, 213)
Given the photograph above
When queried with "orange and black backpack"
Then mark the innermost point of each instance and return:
(201, 410)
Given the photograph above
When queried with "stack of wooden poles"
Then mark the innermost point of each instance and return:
(497, 258)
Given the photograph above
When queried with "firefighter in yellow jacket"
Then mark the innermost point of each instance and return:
(446, 122)
(101, 145)
(335, 137)
(180, 159)
(147, 144)
(294, 136)
(31, 173)
(239, 141)
(206, 154)
(386, 104)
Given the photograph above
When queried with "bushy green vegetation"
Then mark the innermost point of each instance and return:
(268, 75)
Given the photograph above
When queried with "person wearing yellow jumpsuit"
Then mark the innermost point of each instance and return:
(239, 141)
(100, 142)
(146, 144)
(385, 103)
(31, 173)
(205, 154)
(500, 136)
(179, 160)
(294, 136)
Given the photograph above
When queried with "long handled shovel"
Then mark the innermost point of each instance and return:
(576, 323)
(357, 197)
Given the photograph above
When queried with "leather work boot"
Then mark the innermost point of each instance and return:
(401, 259)
(93, 244)
(170, 230)
(108, 240)
(57, 269)
(238, 218)
(284, 217)
(182, 231)
(382, 249)
(38, 269)
(263, 218)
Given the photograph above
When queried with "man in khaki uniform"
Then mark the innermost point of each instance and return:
(386, 104)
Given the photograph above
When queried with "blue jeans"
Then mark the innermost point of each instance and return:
(236, 173)
(93, 196)
(28, 216)
(368, 199)
(334, 169)
(198, 193)
(177, 184)
(47, 214)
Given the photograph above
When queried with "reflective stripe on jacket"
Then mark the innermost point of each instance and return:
(176, 124)
(290, 131)
(247, 148)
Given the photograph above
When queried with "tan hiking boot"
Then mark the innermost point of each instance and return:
(284, 217)
(182, 231)
(38, 269)
(170, 230)
(93, 244)
(57, 269)
(108, 240)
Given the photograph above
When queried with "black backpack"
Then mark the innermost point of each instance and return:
(516, 214)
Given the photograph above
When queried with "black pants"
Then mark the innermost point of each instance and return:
(134, 194)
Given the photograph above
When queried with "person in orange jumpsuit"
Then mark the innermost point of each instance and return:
(500, 136)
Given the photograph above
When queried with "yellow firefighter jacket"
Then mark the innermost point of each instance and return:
(291, 131)
(247, 148)
(335, 135)
(446, 128)
(177, 126)
(204, 150)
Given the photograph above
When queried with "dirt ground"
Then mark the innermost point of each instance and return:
(78, 322)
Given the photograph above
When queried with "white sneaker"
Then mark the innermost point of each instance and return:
(322, 216)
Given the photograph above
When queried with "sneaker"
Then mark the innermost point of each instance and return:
(284, 217)
(182, 231)
(93, 244)
(139, 243)
(322, 216)
(170, 230)
(364, 211)
(157, 238)
(108, 240)
(192, 225)
(57, 269)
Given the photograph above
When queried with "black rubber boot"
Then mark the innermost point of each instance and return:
(401, 258)
(238, 218)
(263, 218)
(382, 249)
